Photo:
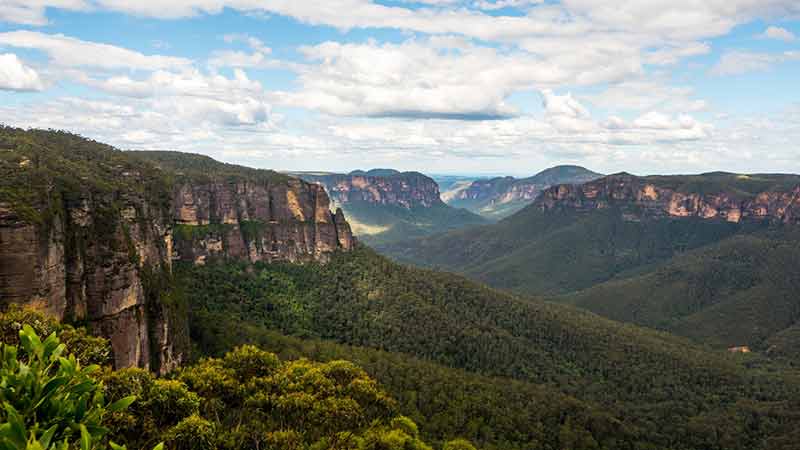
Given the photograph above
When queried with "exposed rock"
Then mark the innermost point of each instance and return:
(652, 197)
(283, 221)
(406, 189)
(96, 246)
(502, 196)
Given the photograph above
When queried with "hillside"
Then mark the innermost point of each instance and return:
(385, 206)
(711, 257)
(573, 237)
(497, 198)
(739, 292)
(641, 379)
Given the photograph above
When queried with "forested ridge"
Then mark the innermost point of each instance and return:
(658, 390)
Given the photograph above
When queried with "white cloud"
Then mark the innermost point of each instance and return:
(32, 12)
(67, 51)
(781, 34)
(646, 94)
(673, 54)
(16, 76)
(678, 19)
(443, 77)
(736, 62)
(500, 4)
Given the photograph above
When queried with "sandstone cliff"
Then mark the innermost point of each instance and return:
(727, 197)
(503, 196)
(88, 233)
(407, 189)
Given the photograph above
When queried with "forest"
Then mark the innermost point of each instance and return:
(636, 388)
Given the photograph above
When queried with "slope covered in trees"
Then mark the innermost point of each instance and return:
(539, 253)
(739, 292)
(659, 390)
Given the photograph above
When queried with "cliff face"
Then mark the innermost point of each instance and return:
(85, 262)
(642, 198)
(88, 234)
(288, 221)
(500, 197)
(407, 190)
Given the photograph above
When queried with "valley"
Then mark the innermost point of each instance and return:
(618, 299)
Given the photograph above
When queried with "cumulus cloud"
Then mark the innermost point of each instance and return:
(440, 77)
(679, 19)
(32, 12)
(781, 34)
(67, 51)
(647, 94)
(16, 76)
(736, 62)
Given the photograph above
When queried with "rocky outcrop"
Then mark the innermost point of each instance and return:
(503, 196)
(88, 234)
(641, 198)
(510, 189)
(382, 187)
(283, 221)
(84, 261)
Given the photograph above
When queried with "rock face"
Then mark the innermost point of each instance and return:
(88, 234)
(407, 189)
(500, 197)
(289, 221)
(732, 198)
(86, 263)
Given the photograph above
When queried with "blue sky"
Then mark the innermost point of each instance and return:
(444, 86)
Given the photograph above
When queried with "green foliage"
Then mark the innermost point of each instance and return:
(642, 379)
(553, 253)
(394, 223)
(739, 292)
(48, 400)
(192, 433)
(458, 444)
(86, 348)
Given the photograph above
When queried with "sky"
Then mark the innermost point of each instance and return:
(438, 86)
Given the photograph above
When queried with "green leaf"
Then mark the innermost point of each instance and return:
(16, 432)
(121, 404)
(86, 438)
(160, 446)
(48, 436)
(116, 447)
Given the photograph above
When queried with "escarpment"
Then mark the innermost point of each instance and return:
(89, 234)
(501, 197)
(725, 197)
(404, 189)
(288, 221)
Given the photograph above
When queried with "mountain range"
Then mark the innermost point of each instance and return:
(385, 205)
(500, 197)
(176, 257)
(711, 257)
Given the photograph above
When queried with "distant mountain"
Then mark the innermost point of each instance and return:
(451, 185)
(385, 206)
(712, 256)
(501, 197)
(376, 172)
